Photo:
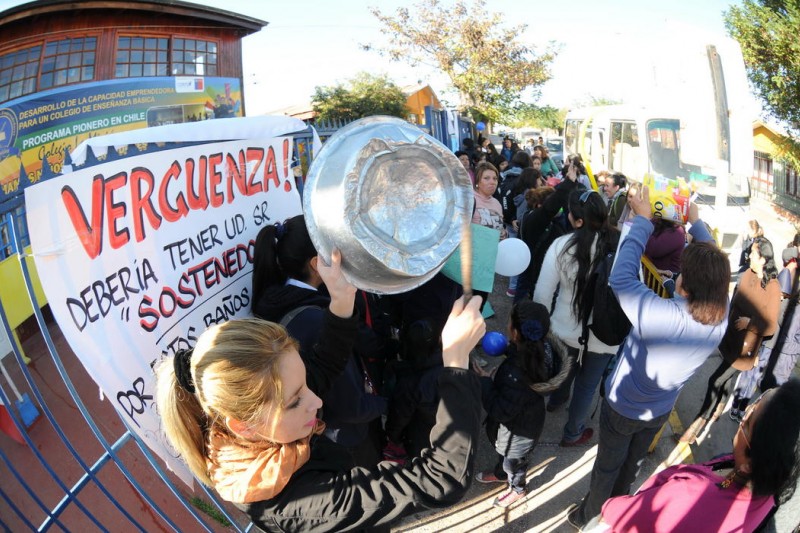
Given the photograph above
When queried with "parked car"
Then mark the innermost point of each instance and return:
(555, 147)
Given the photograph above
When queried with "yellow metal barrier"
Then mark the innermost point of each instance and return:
(652, 278)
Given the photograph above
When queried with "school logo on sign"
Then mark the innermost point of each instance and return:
(185, 84)
(10, 161)
(8, 133)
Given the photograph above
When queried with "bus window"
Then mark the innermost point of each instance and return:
(625, 150)
(664, 147)
(586, 149)
(616, 139)
(571, 136)
(601, 137)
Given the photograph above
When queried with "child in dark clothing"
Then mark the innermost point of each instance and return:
(514, 399)
(420, 315)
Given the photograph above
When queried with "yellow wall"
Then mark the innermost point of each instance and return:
(764, 140)
(13, 293)
(417, 101)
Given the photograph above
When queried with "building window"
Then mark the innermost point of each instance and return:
(791, 180)
(18, 72)
(142, 56)
(68, 61)
(194, 57)
(161, 56)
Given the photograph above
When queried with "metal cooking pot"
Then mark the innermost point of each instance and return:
(391, 198)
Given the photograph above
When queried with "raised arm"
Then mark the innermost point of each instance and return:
(339, 326)
(698, 230)
(633, 295)
(343, 294)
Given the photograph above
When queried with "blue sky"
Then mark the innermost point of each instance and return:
(606, 47)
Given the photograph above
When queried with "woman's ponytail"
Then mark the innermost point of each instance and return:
(182, 419)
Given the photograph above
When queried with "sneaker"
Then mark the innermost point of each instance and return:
(395, 453)
(583, 439)
(573, 517)
(508, 498)
(489, 477)
(511, 293)
(736, 415)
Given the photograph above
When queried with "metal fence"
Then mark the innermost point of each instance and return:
(57, 451)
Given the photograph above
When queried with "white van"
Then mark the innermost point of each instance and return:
(645, 140)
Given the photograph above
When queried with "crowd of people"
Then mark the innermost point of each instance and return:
(334, 409)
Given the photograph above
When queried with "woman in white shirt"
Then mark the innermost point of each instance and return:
(564, 276)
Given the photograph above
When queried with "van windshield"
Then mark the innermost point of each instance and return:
(663, 142)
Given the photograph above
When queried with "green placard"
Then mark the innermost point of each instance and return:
(484, 256)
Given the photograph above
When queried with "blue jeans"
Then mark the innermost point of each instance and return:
(524, 289)
(621, 448)
(586, 376)
(516, 469)
(586, 382)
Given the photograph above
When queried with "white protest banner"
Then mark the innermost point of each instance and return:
(138, 256)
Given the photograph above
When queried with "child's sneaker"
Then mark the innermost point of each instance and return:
(508, 498)
(489, 477)
(395, 453)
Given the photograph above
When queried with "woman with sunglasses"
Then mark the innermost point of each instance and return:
(564, 276)
(734, 492)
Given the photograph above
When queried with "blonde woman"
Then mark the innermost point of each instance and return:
(241, 409)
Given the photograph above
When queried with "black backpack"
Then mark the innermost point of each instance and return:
(609, 323)
(506, 200)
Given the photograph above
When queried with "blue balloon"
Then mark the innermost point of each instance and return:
(494, 343)
(480, 126)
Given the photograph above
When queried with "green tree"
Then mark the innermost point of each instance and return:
(546, 117)
(484, 60)
(364, 95)
(767, 31)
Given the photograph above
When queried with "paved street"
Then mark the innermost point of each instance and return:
(560, 476)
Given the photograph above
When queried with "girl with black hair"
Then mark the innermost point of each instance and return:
(666, 244)
(288, 290)
(753, 315)
(528, 179)
(735, 492)
(514, 398)
(577, 161)
(564, 278)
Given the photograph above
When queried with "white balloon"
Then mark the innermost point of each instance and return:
(513, 257)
